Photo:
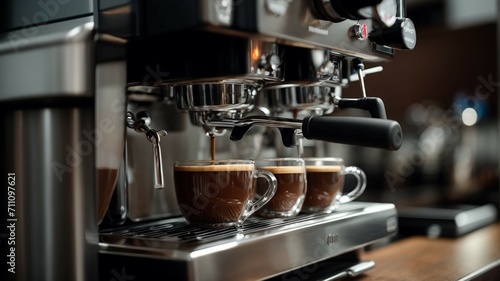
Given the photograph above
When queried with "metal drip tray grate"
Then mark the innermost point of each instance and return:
(178, 230)
(255, 252)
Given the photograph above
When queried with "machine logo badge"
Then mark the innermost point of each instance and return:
(318, 30)
(391, 224)
(332, 238)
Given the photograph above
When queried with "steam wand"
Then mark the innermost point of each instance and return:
(360, 67)
(140, 123)
(300, 144)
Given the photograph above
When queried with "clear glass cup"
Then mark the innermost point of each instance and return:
(292, 185)
(220, 193)
(325, 184)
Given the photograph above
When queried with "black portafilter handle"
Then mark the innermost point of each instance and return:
(360, 131)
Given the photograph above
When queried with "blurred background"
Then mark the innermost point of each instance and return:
(445, 95)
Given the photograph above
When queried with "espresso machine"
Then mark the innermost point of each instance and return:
(101, 97)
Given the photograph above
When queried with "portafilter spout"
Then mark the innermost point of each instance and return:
(360, 131)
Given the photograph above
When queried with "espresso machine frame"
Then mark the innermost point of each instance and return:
(47, 99)
(50, 76)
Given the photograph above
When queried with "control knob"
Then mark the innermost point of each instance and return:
(401, 35)
(383, 11)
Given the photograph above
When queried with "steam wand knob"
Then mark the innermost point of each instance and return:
(402, 35)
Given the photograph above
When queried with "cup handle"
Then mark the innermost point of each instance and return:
(259, 203)
(360, 187)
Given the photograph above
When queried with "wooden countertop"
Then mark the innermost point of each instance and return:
(423, 258)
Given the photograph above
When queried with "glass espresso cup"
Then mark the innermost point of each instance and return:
(291, 176)
(325, 183)
(220, 193)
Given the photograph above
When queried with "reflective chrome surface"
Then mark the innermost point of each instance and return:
(222, 97)
(47, 89)
(318, 99)
(266, 60)
(54, 166)
(64, 46)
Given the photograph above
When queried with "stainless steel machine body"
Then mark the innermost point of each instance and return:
(44, 114)
(48, 85)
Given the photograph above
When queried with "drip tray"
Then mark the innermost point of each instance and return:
(261, 249)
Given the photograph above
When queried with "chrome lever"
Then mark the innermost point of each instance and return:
(366, 71)
(361, 73)
(360, 68)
